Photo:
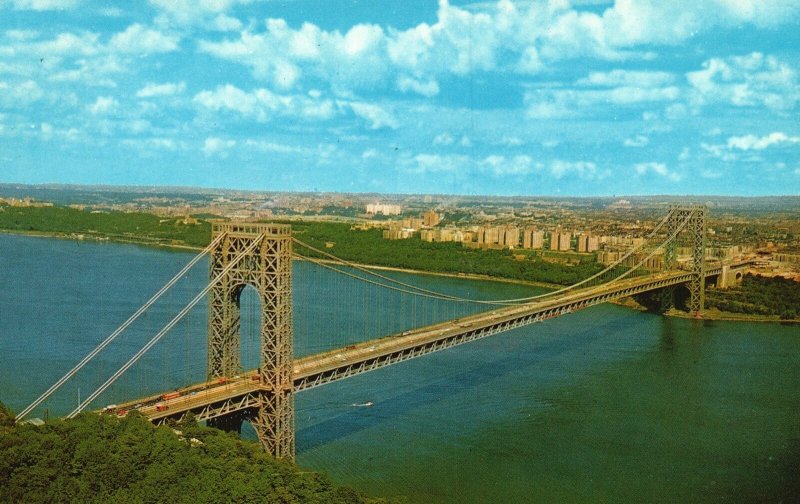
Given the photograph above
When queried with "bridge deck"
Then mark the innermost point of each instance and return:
(223, 396)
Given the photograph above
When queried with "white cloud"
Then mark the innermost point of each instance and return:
(718, 151)
(19, 94)
(658, 169)
(555, 103)
(508, 36)
(583, 169)
(81, 56)
(267, 146)
(627, 78)
(161, 143)
(762, 14)
(113, 12)
(752, 142)
(103, 105)
(226, 23)
(167, 89)
(735, 145)
(377, 116)
(263, 104)
(428, 88)
(43, 5)
(631, 22)
(96, 71)
(209, 14)
(460, 41)
(230, 97)
(68, 44)
(637, 141)
(502, 166)
(21, 35)
(436, 163)
(217, 146)
(510, 141)
(138, 39)
(443, 139)
(750, 80)
(284, 57)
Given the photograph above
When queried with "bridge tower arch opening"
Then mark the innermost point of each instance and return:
(250, 317)
(267, 268)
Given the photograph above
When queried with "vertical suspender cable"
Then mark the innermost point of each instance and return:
(166, 328)
(119, 330)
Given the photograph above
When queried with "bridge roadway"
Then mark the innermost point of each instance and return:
(227, 395)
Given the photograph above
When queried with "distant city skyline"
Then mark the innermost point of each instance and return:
(583, 98)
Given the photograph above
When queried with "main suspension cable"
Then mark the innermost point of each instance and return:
(439, 295)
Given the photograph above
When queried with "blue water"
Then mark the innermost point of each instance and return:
(604, 405)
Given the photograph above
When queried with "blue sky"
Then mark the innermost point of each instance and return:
(512, 97)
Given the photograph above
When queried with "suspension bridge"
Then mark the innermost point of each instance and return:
(261, 255)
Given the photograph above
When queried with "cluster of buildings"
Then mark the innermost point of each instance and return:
(607, 248)
(406, 228)
(502, 236)
(384, 209)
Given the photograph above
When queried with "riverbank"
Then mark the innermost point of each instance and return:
(708, 314)
(103, 238)
(97, 237)
(714, 314)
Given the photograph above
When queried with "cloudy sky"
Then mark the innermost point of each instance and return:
(510, 97)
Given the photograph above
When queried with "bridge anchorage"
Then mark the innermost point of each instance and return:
(264, 253)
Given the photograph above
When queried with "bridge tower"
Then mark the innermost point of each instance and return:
(268, 268)
(695, 232)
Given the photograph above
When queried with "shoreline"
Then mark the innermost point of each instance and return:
(101, 238)
(714, 314)
(630, 304)
(98, 238)
(708, 314)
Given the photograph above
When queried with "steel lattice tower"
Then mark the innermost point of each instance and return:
(694, 217)
(268, 268)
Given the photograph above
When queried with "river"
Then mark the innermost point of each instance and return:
(603, 405)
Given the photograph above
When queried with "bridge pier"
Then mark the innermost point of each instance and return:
(267, 266)
(667, 295)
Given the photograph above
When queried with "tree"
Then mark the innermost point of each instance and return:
(7, 418)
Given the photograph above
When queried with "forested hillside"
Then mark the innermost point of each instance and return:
(128, 226)
(100, 458)
(759, 295)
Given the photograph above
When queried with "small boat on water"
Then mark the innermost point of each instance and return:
(362, 405)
